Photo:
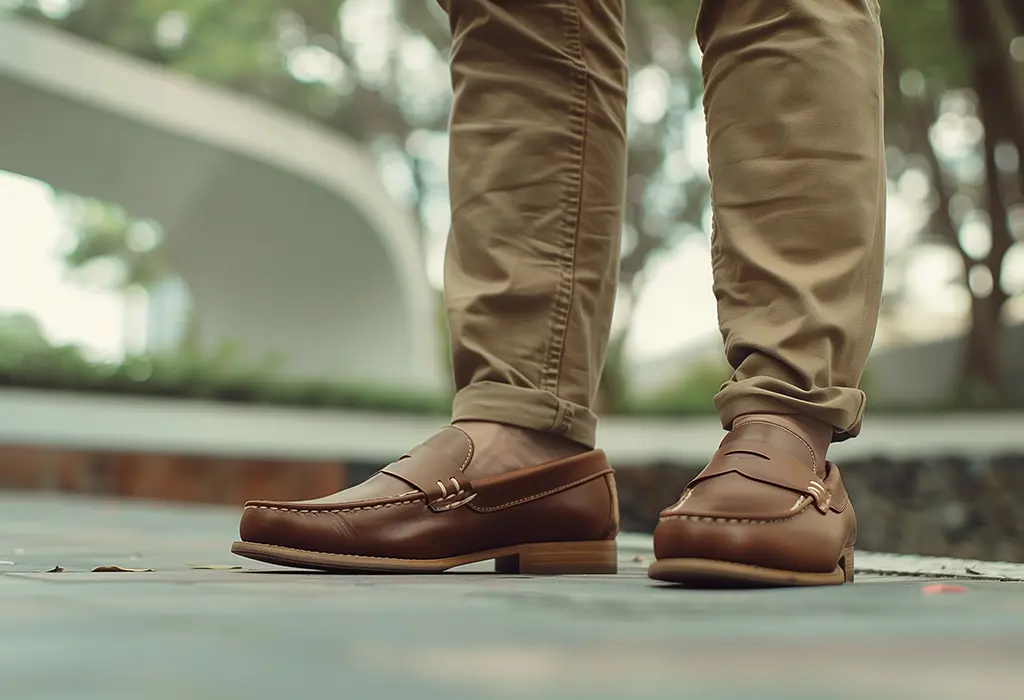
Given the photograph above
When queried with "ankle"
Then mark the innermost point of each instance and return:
(500, 448)
(815, 434)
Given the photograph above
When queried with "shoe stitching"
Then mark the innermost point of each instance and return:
(691, 489)
(345, 509)
(714, 519)
(538, 495)
(682, 499)
(472, 448)
(708, 519)
(340, 509)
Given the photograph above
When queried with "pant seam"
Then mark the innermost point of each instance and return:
(572, 201)
(564, 417)
(868, 283)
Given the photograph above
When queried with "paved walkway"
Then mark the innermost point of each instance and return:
(185, 633)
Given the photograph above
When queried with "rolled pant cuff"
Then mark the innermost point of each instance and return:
(525, 408)
(840, 407)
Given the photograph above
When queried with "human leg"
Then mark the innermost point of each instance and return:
(537, 173)
(793, 99)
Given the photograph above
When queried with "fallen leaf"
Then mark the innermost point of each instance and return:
(119, 570)
(56, 570)
(936, 588)
(214, 567)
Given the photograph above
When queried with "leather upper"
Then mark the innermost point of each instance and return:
(425, 506)
(760, 502)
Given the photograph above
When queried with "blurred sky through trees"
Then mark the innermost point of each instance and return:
(376, 70)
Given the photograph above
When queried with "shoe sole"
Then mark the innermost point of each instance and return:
(710, 573)
(545, 559)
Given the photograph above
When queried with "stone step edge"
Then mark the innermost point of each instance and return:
(641, 545)
(190, 427)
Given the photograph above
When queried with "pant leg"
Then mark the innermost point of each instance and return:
(793, 99)
(537, 176)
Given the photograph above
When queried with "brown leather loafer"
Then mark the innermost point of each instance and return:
(758, 515)
(423, 514)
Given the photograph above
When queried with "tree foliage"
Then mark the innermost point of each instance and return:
(951, 69)
(375, 71)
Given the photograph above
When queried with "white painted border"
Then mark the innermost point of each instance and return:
(174, 426)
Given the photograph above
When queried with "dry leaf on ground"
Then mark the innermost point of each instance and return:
(119, 570)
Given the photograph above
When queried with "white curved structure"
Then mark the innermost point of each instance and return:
(288, 241)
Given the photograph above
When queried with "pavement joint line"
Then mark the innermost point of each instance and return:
(882, 564)
(932, 575)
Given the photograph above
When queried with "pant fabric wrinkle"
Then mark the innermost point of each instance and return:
(793, 109)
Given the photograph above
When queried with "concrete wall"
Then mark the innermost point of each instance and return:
(910, 375)
(923, 374)
(287, 240)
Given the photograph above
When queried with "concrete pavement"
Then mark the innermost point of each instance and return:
(197, 633)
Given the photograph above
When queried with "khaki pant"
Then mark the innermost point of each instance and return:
(793, 100)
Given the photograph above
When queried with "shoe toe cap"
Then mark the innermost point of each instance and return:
(281, 524)
(799, 543)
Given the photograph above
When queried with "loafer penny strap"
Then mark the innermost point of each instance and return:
(764, 462)
(436, 469)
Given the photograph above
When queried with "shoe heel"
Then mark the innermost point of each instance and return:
(550, 559)
(846, 561)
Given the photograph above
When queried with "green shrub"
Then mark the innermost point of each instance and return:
(28, 363)
(692, 394)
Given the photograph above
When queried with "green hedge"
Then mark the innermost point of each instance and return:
(39, 366)
(691, 395)
(29, 362)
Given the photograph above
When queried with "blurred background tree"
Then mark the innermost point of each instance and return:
(110, 248)
(330, 62)
(956, 130)
(376, 70)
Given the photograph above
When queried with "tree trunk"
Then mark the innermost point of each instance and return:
(993, 82)
(981, 379)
